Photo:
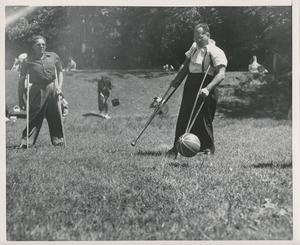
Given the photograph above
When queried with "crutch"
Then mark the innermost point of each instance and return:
(163, 101)
(191, 123)
(179, 78)
(59, 108)
(27, 112)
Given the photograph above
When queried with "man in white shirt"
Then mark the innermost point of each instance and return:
(202, 55)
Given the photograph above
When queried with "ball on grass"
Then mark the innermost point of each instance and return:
(188, 145)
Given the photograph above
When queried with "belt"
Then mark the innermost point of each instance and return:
(42, 83)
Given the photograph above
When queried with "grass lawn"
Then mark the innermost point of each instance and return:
(99, 187)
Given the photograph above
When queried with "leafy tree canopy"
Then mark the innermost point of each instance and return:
(137, 37)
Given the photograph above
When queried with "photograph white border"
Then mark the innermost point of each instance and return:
(164, 3)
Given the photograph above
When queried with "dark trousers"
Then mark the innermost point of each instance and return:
(102, 101)
(202, 126)
(43, 102)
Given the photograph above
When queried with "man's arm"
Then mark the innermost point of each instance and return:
(181, 74)
(219, 77)
(60, 80)
(59, 75)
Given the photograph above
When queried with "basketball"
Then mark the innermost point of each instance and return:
(188, 145)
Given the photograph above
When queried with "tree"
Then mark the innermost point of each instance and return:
(260, 31)
(43, 21)
(276, 24)
(136, 37)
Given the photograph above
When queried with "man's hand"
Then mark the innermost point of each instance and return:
(22, 104)
(59, 91)
(204, 92)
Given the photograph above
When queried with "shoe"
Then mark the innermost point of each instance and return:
(172, 153)
(102, 115)
(207, 151)
(23, 146)
(59, 144)
(58, 141)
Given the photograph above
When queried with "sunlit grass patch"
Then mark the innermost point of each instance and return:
(99, 187)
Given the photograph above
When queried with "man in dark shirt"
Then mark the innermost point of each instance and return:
(41, 68)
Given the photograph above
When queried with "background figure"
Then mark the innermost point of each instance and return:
(22, 90)
(202, 56)
(156, 102)
(43, 69)
(255, 67)
(104, 85)
(71, 66)
(18, 61)
(168, 67)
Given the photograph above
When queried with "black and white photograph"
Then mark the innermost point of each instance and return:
(150, 123)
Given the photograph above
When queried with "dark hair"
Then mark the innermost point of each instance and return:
(202, 25)
(36, 37)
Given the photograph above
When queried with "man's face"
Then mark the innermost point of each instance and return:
(201, 37)
(39, 46)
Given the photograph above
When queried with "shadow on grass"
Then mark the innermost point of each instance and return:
(257, 96)
(14, 147)
(178, 164)
(17, 147)
(149, 153)
(271, 165)
(92, 114)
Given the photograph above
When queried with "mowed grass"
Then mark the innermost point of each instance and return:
(99, 187)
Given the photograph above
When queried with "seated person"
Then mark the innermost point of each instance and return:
(255, 67)
(71, 66)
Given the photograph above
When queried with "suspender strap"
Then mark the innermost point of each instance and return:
(203, 62)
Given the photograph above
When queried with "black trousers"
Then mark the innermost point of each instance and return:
(43, 102)
(202, 126)
(102, 101)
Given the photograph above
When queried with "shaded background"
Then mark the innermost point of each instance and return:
(148, 37)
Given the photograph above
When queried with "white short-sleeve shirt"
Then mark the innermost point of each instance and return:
(207, 54)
